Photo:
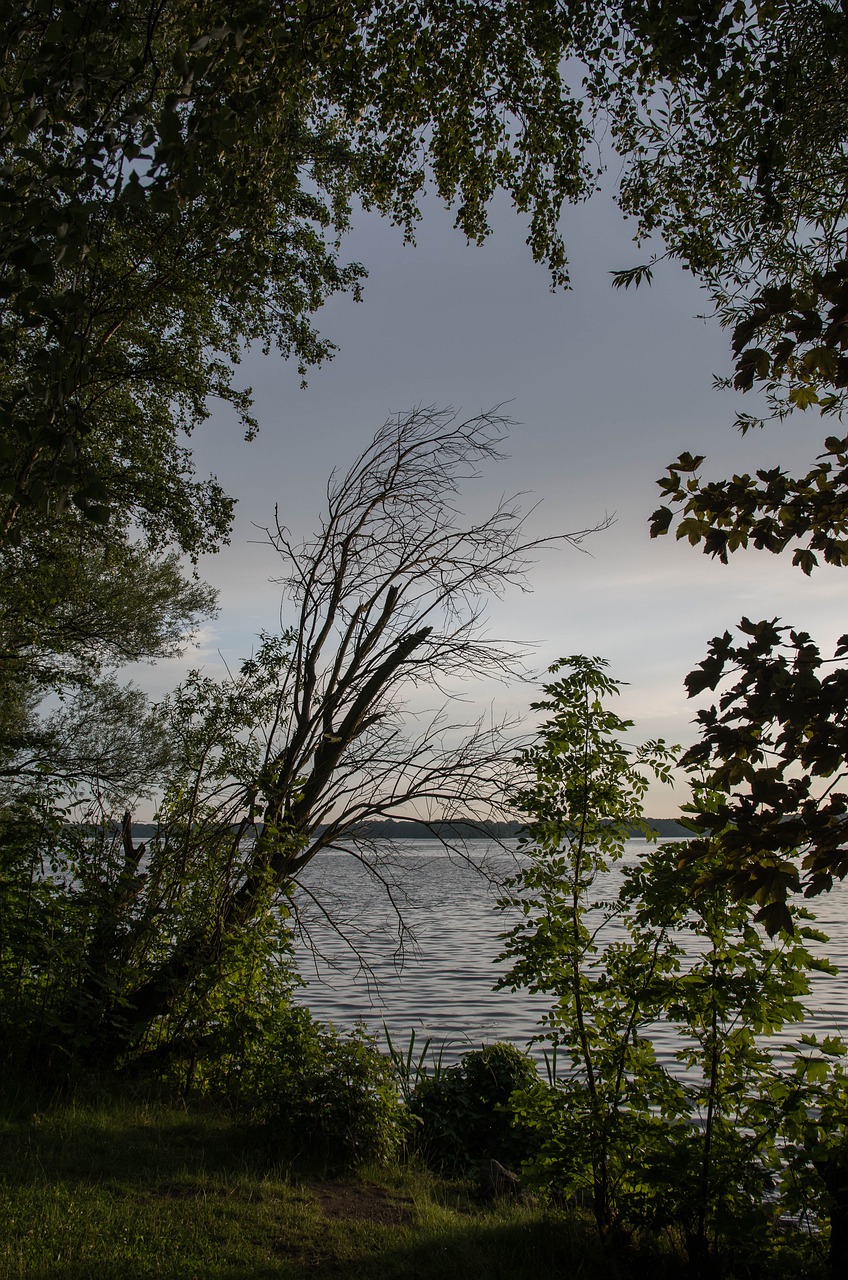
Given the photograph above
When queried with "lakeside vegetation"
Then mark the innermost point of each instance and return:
(175, 187)
(728, 1167)
(134, 1188)
(167, 963)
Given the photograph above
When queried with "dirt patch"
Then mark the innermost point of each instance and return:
(361, 1202)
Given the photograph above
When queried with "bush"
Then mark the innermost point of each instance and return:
(324, 1098)
(464, 1114)
(333, 1100)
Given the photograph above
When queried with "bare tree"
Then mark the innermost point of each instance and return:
(385, 602)
(315, 736)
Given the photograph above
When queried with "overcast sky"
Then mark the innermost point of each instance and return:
(608, 388)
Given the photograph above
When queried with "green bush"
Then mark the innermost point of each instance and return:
(463, 1112)
(324, 1098)
(45, 977)
(333, 1100)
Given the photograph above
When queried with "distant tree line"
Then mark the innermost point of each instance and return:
(412, 829)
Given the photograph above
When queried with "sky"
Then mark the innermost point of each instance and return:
(606, 387)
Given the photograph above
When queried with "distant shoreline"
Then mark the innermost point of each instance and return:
(408, 829)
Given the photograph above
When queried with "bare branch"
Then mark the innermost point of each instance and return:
(389, 598)
(385, 610)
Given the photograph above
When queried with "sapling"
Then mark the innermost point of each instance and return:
(691, 1147)
(582, 799)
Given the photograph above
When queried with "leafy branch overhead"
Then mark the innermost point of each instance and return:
(770, 510)
(806, 329)
(803, 330)
(755, 129)
(175, 186)
(176, 183)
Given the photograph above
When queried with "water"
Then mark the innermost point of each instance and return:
(413, 945)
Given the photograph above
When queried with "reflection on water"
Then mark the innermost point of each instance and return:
(425, 933)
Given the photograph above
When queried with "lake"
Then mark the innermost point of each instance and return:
(434, 973)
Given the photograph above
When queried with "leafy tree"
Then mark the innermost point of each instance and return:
(743, 173)
(70, 609)
(104, 741)
(728, 113)
(773, 756)
(737, 142)
(71, 613)
(175, 185)
(739, 164)
(691, 1149)
(727, 1124)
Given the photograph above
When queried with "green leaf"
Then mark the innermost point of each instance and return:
(803, 396)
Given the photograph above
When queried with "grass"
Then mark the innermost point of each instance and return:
(138, 1189)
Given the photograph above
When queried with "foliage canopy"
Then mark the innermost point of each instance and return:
(175, 185)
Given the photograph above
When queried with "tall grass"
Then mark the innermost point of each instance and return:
(414, 1064)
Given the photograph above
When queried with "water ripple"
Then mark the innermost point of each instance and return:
(429, 963)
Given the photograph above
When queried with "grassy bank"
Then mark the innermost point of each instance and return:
(139, 1189)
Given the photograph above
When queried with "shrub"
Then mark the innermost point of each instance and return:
(324, 1098)
(463, 1112)
(333, 1100)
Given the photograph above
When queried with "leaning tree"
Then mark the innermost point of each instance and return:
(345, 717)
